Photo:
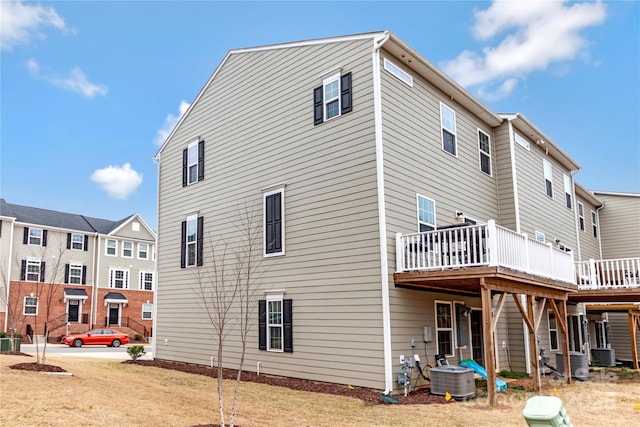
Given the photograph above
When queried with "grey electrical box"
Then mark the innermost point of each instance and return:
(426, 334)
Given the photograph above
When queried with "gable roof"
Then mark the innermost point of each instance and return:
(393, 44)
(67, 221)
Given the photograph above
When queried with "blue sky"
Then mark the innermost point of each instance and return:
(88, 89)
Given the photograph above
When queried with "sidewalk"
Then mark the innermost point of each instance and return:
(101, 352)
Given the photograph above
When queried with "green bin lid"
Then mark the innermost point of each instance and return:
(542, 408)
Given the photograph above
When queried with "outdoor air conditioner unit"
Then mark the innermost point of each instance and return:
(579, 365)
(458, 381)
(603, 356)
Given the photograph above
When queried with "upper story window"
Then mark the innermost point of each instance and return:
(540, 236)
(567, 191)
(581, 216)
(118, 278)
(143, 251)
(484, 147)
(146, 281)
(34, 236)
(426, 214)
(548, 177)
(77, 242)
(333, 98)
(32, 270)
(112, 247)
(274, 222)
(127, 249)
(594, 224)
(75, 274)
(193, 163)
(30, 306)
(398, 72)
(448, 124)
(192, 241)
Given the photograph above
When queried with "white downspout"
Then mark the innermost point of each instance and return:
(384, 268)
(575, 213)
(154, 312)
(516, 202)
(96, 275)
(599, 230)
(10, 262)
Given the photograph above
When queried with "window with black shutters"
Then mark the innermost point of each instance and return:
(193, 163)
(275, 324)
(333, 98)
(191, 241)
(274, 222)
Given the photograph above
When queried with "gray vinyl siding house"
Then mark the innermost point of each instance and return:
(405, 150)
(620, 217)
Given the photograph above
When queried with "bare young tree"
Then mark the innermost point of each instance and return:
(227, 281)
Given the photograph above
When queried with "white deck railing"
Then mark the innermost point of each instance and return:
(481, 245)
(608, 273)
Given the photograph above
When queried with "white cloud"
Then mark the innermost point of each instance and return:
(118, 181)
(20, 22)
(76, 81)
(537, 34)
(169, 123)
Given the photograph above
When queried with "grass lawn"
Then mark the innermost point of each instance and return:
(109, 393)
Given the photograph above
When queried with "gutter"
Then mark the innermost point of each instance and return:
(157, 160)
(384, 265)
(575, 213)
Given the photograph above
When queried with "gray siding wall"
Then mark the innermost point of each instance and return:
(537, 210)
(504, 177)
(5, 261)
(256, 118)
(589, 245)
(619, 226)
(620, 335)
(415, 163)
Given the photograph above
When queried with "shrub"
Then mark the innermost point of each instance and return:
(138, 337)
(17, 335)
(3, 334)
(135, 351)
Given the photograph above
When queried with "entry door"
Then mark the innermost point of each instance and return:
(73, 310)
(477, 346)
(114, 314)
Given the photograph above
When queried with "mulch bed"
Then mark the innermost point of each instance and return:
(32, 366)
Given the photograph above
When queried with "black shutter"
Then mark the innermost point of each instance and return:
(66, 273)
(345, 93)
(287, 322)
(183, 245)
(273, 223)
(185, 160)
(199, 241)
(318, 108)
(84, 274)
(23, 270)
(42, 271)
(68, 240)
(44, 237)
(200, 160)
(25, 236)
(86, 242)
(0, 228)
(262, 324)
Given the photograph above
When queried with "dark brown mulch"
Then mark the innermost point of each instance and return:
(32, 366)
(420, 396)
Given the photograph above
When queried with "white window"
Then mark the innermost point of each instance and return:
(426, 214)
(594, 224)
(35, 236)
(147, 311)
(567, 191)
(553, 331)
(143, 251)
(119, 278)
(112, 247)
(191, 248)
(522, 142)
(484, 147)
(30, 306)
(33, 271)
(581, 216)
(146, 281)
(548, 177)
(77, 242)
(398, 72)
(444, 328)
(274, 222)
(192, 162)
(274, 324)
(127, 249)
(75, 274)
(540, 236)
(331, 90)
(448, 124)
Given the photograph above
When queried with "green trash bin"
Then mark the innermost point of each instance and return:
(546, 411)
(5, 344)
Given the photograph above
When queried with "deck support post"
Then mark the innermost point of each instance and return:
(634, 321)
(533, 343)
(489, 343)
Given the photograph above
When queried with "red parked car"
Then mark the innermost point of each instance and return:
(107, 337)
